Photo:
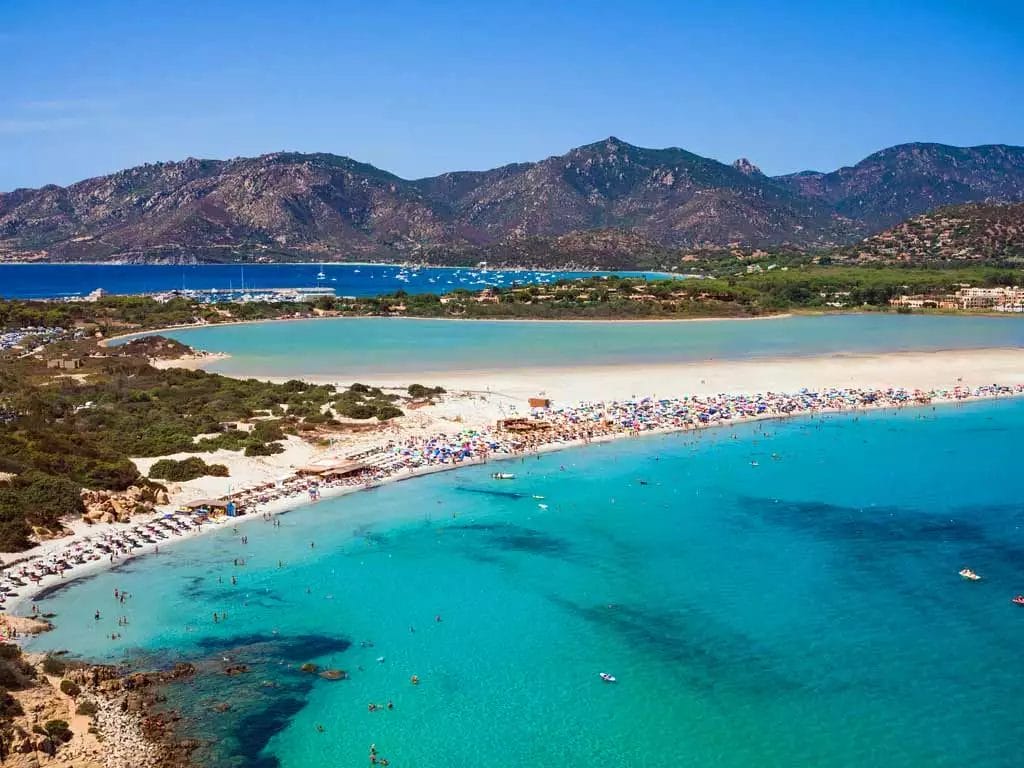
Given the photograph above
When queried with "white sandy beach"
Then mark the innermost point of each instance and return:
(477, 399)
(912, 370)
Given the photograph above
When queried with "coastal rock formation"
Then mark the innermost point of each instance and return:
(87, 717)
(119, 506)
(324, 206)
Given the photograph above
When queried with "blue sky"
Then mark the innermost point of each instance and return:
(419, 88)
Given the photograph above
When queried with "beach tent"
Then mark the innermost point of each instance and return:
(212, 506)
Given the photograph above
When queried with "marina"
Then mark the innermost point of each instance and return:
(77, 281)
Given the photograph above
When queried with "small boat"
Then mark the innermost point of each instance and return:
(1019, 600)
(970, 575)
(608, 678)
(503, 476)
(542, 506)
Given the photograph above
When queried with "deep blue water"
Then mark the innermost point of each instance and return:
(37, 281)
(802, 612)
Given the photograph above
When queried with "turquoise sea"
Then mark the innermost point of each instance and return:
(805, 611)
(353, 347)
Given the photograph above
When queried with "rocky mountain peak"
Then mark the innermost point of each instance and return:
(332, 206)
(745, 166)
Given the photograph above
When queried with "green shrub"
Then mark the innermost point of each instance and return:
(267, 431)
(263, 449)
(384, 412)
(87, 708)
(418, 391)
(352, 410)
(70, 688)
(186, 469)
(58, 730)
(9, 651)
(54, 666)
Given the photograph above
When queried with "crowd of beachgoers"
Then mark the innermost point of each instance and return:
(543, 429)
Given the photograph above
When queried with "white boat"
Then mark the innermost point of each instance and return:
(608, 678)
(970, 575)
(503, 476)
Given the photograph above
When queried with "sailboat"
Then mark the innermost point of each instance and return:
(321, 275)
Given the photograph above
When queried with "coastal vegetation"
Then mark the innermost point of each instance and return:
(185, 469)
(61, 434)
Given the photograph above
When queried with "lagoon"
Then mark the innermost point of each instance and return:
(350, 348)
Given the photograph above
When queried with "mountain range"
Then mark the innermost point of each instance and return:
(609, 196)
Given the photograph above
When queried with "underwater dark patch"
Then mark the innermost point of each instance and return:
(492, 492)
(888, 524)
(704, 652)
(300, 647)
(517, 538)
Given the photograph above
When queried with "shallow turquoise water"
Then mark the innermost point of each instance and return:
(804, 611)
(353, 347)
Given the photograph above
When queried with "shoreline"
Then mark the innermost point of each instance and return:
(295, 502)
(570, 384)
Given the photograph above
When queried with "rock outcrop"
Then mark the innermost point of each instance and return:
(119, 506)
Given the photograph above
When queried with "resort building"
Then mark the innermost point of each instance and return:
(65, 363)
(1002, 299)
